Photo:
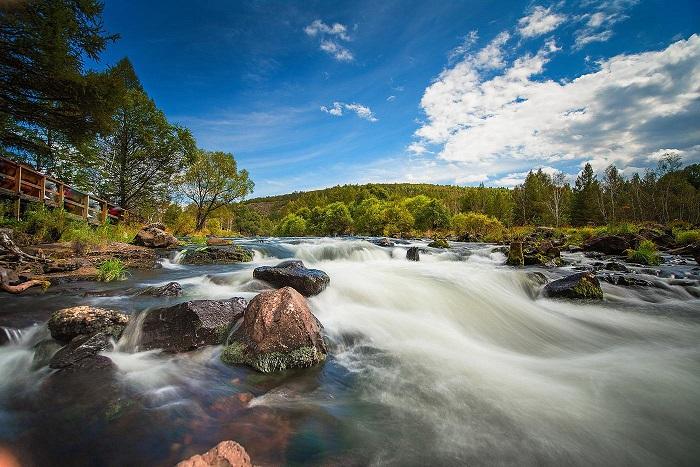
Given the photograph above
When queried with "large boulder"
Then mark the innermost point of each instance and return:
(515, 254)
(278, 332)
(69, 323)
(413, 254)
(154, 236)
(189, 325)
(609, 244)
(79, 349)
(224, 454)
(582, 285)
(294, 274)
(217, 255)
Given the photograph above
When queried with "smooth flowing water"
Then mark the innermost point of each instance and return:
(453, 360)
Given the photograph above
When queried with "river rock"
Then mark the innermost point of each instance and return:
(294, 274)
(216, 241)
(609, 244)
(189, 325)
(278, 332)
(171, 289)
(625, 280)
(439, 243)
(69, 323)
(384, 242)
(217, 255)
(615, 266)
(80, 348)
(515, 254)
(583, 285)
(154, 236)
(224, 454)
(44, 350)
(413, 254)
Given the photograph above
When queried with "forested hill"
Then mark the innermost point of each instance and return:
(493, 201)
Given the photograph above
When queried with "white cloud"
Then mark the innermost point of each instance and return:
(417, 148)
(318, 27)
(466, 45)
(541, 21)
(330, 35)
(338, 52)
(391, 98)
(360, 110)
(632, 106)
(597, 26)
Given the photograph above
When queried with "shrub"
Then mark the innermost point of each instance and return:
(688, 236)
(291, 226)
(478, 226)
(111, 270)
(645, 254)
(622, 228)
(44, 224)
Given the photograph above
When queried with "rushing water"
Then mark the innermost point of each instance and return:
(454, 360)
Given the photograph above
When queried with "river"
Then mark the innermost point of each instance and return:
(453, 360)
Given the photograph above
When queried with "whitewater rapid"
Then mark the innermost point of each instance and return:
(454, 360)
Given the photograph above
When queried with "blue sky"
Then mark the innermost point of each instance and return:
(312, 94)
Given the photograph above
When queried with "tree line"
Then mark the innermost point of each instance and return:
(99, 131)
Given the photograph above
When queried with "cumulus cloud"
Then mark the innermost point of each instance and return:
(541, 21)
(629, 108)
(330, 35)
(362, 111)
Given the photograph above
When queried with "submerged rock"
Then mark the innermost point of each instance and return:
(515, 254)
(189, 325)
(44, 351)
(154, 236)
(439, 243)
(79, 349)
(625, 280)
(217, 255)
(171, 289)
(385, 242)
(609, 244)
(413, 254)
(69, 323)
(615, 266)
(278, 332)
(294, 274)
(583, 285)
(224, 454)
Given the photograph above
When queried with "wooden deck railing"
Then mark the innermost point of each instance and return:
(22, 183)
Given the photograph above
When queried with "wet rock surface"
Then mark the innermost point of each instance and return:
(294, 274)
(413, 254)
(582, 285)
(610, 244)
(278, 332)
(224, 454)
(190, 325)
(80, 348)
(69, 323)
(217, 255)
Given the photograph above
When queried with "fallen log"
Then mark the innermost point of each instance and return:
(8, 247)
(19, 288)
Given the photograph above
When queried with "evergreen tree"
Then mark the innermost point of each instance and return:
(584, 207)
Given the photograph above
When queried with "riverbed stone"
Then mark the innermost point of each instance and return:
(190, 325)
(582, 285)
(171, 289)
(384, 242)
(217, 255)
(69, 323)
(154, 236)
(439, 243)
(80, 348)
(278, 332)
(413, 254)
(515, 254)
(609, 244)
(224, 454)
(294, 274)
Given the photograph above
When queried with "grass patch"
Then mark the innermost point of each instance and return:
(111, 270)
(645, 254)
(685, 237)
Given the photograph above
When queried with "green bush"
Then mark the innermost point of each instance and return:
(111, 270)
(622, 228)
(478, 226)
(291, 226)
(688, 236)
(44, 224)
(645, 254)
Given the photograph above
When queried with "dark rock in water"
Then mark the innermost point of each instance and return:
(413, 254)
(609, 244)
(625, 280)
(171, 289)
(614, 266)
(515, 254)
(224, 454)
(44, 351)
(62, 266)
(501, 249)
(294, 274)
(68, 323)
(217, 255)
(584, 285)
(189, 325)
(154, 236)
(278, 332)
(574, 248)
(80, 348)
(385, 242)
(439, 243)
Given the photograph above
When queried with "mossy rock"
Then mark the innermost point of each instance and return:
(515, 254)
(439, 243)
(583, 285)
(271, 362)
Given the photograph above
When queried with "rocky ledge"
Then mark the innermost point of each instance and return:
(217, 255)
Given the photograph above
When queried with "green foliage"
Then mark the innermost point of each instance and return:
(686, 237)
(622, 228)
(645, 254)
(478, 227)
(291, 226)
(337, 219)
(44, 224)
(398, 221)
(111, 270)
